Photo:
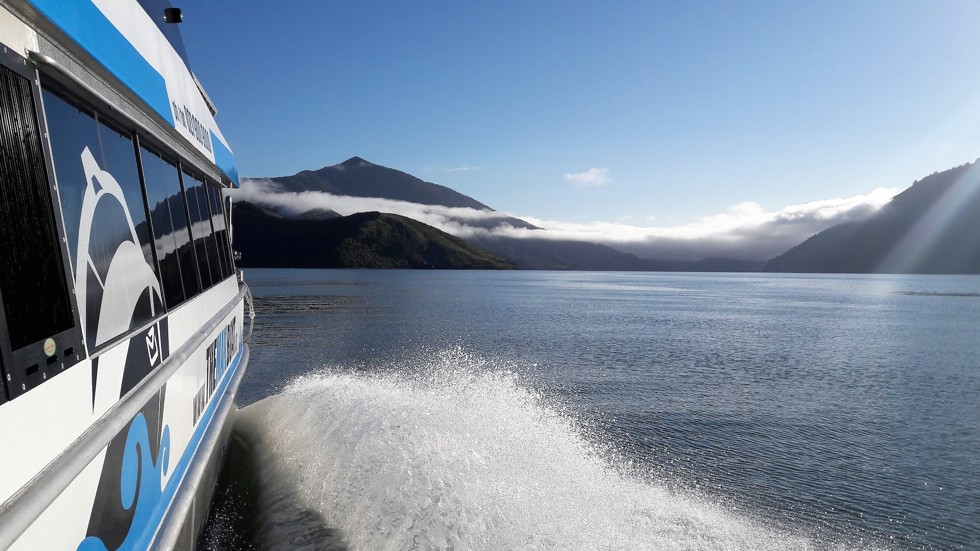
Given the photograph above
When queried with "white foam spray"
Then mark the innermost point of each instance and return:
(458, 456)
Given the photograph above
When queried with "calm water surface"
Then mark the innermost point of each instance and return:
(718, 411)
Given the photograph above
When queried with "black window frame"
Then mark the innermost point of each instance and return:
(29, 366)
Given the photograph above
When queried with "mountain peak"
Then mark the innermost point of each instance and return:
(355, 162)
(357, 177)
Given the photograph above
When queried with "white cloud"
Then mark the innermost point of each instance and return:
(465, 168)
(460, 221)
(744, 230)
(592, 177)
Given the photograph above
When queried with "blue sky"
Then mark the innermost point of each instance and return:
(682, 111)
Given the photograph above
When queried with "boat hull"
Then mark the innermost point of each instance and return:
(121, 312)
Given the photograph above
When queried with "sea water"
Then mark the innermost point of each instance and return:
(569, 410)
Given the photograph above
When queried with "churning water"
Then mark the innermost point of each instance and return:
(421, 410)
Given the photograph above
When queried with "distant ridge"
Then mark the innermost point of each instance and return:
(318, 214)
(364, 240)
(357, 177)
(932, 227)
(549, 254)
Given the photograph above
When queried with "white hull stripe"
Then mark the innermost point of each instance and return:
(133, 49)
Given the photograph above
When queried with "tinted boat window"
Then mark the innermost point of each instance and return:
(207, 255)
(218, 224)
(72, 129)
(156, 173)
(141, 283)
(115, 272)
(120, 160)
(220, 231)
(172, 240)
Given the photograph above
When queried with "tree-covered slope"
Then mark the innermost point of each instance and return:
(363, 240)
(932, 227)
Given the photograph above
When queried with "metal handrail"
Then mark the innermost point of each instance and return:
(170, 529)
(19, 511)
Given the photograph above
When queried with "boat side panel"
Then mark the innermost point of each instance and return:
(120, 497)
(40, 424)
(84, 22)
(62, 522)
(129, 488)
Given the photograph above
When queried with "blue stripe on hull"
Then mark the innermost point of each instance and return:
(83, 22)
(152, 505)
(224, 159)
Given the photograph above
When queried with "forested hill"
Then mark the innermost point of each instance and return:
(931, 227)
(363, 240)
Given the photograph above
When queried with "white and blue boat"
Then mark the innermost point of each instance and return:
(121, 310)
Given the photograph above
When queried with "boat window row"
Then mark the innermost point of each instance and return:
(145, 232)
(139, 231)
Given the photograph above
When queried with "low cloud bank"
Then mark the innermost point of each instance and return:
(745, 231)
(460, 221)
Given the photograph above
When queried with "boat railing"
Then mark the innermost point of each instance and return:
(19, 511)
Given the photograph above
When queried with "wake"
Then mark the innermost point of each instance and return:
(460, 456)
